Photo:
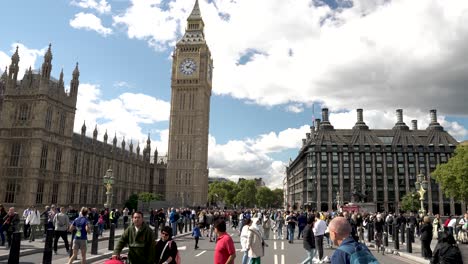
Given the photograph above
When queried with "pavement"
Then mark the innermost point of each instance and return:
(32, 252)
(415, 255)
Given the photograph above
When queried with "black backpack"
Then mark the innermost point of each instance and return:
(451, 255)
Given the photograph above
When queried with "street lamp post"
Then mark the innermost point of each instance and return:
(108, 182)
(421, 187)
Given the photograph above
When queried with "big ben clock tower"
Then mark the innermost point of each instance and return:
(187, 164)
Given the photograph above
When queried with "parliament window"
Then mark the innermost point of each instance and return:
(23, 112)
(11, 189)
(40, 192)
(62, 124)
(15, 155)
(58, 160)
(55, 190)
(48, 120)
(44, 153)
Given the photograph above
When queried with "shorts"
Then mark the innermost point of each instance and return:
(80, 244)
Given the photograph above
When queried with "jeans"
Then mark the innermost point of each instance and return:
(290, 233)
(319, 245)
(280, 231)
(310, 255)
(174, 228)
(245, 257)
(32, 236)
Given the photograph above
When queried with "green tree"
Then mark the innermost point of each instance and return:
(264, 197)
(246, 196)
(147, 197)
(452, 176)
(132, 202)
(278, 198)
(410, 202)
(216, 193)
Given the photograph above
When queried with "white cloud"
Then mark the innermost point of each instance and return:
(101, 6)
(347, 58)
(89, 22)
(124, 115)
(123, 84)
(27, 56)
(295, 108)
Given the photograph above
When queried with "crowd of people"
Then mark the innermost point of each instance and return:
(347, 231)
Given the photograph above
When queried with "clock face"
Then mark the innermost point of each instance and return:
(188, 67)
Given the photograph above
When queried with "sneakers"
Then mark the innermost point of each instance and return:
(326, 259)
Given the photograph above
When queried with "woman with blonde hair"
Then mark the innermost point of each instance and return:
(426, 238)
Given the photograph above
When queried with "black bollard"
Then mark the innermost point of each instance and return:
(15, 246)
(185, 225)
(94, 243)
(385, 241)
(409, 248)
(402, 232)
(190, 228)
(47, 257)
(395, 237)
(111, 236)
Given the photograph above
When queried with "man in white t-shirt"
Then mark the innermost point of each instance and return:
(319, 231)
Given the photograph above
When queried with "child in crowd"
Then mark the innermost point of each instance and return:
(196, 234)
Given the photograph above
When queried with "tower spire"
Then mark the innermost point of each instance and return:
(47, 64)
(75, 82)
(196, 14)
(14, 68)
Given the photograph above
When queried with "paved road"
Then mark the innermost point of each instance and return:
(278, 252)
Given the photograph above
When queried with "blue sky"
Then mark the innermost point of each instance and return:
(274, 60)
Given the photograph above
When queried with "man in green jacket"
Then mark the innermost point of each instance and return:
(140, 241)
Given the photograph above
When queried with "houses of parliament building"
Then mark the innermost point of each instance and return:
(42, 161)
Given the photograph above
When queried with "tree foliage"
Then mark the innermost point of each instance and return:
(452, 176)
(410, 202)
(132, 202)
(244, 194)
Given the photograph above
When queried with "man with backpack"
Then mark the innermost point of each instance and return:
(349, 251)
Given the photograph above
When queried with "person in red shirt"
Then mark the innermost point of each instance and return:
(225, 252)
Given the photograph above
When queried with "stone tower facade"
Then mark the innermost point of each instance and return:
(192, 69)
(43, 162)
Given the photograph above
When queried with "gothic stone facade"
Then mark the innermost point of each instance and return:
(381, 163)
(43, 162)
(192, 68)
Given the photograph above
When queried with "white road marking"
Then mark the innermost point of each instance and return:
(274, 245)
(282, 245)
(182, 248)
(199, 254)
(276, 259)
(282, 258)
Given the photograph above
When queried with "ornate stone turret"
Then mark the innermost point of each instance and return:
(27, 79)
(123, 143)
(414, 124)
(4, 75)
(156, 156)
(83, 129)
(114, 141)
(400, 124)
(95, 133)
(61, 84)
(46, 66)
(131, 146)
(434, 125)
(138, 150)
(14, 68)
(105, 137)
(74, 83)
(360, 124)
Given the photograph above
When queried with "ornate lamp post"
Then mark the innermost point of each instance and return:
(108, 182)
(421, 187)
(338, 201)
